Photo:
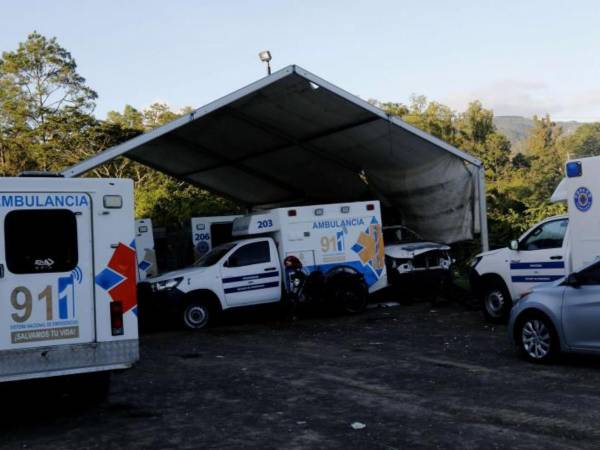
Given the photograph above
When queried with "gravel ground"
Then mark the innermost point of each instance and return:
(414, 376)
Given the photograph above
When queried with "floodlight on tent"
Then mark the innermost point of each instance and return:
(265, 56)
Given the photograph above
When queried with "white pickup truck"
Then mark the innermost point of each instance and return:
(541, 254)
(344, 242)
(551, 249)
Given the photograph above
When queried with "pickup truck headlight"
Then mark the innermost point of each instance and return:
(166, 284)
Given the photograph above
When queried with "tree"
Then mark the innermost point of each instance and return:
(546, 160)
(45, 102)
(585, 141)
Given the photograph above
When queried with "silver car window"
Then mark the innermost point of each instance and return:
(590, 275)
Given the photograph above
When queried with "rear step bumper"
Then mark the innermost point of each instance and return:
(42, 362)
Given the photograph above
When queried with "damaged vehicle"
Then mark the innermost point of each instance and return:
(414, 264)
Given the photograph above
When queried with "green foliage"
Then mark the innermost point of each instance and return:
(585, 141)
(45, 106)
(46, 123)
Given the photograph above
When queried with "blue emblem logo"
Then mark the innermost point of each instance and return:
(583, 199)
(202, 247)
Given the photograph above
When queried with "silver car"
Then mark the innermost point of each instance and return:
(563, 316)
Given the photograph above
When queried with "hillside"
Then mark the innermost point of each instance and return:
(516, 128)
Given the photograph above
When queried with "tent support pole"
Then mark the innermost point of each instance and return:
(485, 245)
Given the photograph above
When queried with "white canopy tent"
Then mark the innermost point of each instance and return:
(294, 138)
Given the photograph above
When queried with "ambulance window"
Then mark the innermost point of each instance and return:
(548, 235)
(40, 241)
(255, 253)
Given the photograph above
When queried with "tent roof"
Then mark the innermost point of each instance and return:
(292, 137)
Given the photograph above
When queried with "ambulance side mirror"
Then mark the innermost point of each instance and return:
(514, 245)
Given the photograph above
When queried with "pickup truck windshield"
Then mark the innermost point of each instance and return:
(400, 235)
(214, 255)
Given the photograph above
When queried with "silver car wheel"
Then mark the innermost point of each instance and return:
(494, 303)
(536, 338)
(195, 316)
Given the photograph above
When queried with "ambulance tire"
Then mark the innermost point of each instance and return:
(351, 295)
(496, 302)
(197, 315)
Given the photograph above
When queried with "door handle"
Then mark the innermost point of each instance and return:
(556, 257)
(270, 269)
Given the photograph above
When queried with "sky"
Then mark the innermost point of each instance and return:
(518, 57)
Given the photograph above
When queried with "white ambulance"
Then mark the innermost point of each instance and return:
(343, 242)
(210, 231)
(144, 246)
(67, 277)
(548, 251)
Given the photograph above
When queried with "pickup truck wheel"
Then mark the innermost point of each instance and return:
(196, 315)
(496, 303)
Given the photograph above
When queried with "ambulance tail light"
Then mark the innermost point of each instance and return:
(116, 318)
(292, 213)
(370, 206)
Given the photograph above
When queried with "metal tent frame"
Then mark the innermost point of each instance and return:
(333, 125)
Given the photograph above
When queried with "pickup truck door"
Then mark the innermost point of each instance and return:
(581, 310)
(251, 274)
(541, 256)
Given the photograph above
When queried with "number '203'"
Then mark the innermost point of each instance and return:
(267, 223)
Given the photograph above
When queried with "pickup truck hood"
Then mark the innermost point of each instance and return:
(490, 253)
(410, 250)
(185, 272)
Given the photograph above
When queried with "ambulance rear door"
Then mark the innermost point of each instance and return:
(46, 270)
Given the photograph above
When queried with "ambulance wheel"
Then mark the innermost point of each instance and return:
(496, 302)
(351, 296)
(196, 315)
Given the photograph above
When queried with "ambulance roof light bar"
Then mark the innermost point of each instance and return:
(574, 169)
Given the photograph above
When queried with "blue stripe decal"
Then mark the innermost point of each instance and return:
(538, 265)
(251, 287)
(254, 276)
(536, 278)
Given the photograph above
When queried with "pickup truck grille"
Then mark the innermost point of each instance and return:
(429, 259)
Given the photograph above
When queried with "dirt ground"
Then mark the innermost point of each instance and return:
(414, 376)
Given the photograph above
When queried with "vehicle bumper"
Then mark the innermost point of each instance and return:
(155, 304)
(419, 278)
(58, 360)
(475, 282)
